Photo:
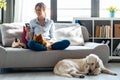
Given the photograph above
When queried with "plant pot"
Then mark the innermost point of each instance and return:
(112, 14)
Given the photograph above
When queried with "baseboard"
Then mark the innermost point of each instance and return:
(19, 70)
(114, 61)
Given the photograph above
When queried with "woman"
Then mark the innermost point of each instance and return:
(46, 27)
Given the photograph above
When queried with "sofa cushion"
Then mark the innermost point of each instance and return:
(72, 33)
(85, 33)
(9, 32)
(84, 29)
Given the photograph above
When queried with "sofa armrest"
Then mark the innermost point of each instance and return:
(92, 44)
(2, 56)
(102, 50)
(2, 49)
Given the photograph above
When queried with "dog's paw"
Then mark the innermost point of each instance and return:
(115, 74)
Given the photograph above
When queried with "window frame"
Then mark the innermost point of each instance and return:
(94, 10)
(53, 13)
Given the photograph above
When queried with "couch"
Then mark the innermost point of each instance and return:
(25, 58)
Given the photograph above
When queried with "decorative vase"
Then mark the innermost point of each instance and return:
(112, 14)
(76, 21)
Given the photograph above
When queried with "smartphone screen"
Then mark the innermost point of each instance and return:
(27, 24)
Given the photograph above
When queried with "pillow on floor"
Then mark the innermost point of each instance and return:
(9, 32)
(72, 33)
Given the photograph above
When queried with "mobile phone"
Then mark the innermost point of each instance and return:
(27, 24)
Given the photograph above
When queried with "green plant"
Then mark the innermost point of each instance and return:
(112, 9)
(3, 4)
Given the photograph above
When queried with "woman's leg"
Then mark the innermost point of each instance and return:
(36, 46)
(60, 45)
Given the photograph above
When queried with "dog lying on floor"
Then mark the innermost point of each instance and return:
(91, 65)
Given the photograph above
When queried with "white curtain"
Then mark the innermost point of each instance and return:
(24, 9)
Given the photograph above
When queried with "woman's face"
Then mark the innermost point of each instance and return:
(40, 12)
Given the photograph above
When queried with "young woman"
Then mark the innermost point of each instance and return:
(46, 27)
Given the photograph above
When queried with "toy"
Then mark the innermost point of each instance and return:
(18, 44)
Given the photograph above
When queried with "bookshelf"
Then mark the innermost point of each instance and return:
(104, 31)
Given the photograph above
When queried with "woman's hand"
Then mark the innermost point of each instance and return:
(28, 36)
(27, 29)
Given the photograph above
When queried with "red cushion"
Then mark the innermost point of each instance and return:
(24, 40)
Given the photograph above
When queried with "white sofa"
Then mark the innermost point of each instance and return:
(24, 58)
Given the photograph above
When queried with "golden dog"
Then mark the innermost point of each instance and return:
(72, 68)
(96, 65)
(91, 65)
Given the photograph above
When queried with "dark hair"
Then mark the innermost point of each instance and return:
(41, 5)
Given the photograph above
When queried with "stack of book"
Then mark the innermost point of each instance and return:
(103, 31)
(116, 52)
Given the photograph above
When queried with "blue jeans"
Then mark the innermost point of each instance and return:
(60, 45)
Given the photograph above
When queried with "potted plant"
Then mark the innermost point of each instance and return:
(112, 10)
(3, 4)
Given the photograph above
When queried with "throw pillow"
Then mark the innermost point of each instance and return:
(24, 40)
(9, 32)
(72, 33)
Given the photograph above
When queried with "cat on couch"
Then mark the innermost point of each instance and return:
(18, 44)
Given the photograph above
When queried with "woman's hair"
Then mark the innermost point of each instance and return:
(41, 5)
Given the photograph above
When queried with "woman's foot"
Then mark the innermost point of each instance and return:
(60, 45)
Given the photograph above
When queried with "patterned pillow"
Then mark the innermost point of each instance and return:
(72, 33)
(9, 32)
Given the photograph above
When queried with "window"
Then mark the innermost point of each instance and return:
(67, 9)
(24, 9)
(104, 4)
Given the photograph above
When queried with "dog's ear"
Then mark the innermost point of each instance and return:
(97, 65)
(41, 37)
(34, 37)
(16, 40)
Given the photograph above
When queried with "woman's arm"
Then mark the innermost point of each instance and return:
(52, 33)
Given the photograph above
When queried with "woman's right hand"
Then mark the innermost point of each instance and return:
(27, 29)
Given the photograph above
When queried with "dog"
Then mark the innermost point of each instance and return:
(90, 65)
(18, 44)
(96, 66)
(40, 39)
(72, 68)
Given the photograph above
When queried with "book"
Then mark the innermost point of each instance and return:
(117, 30)
(97, 31)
